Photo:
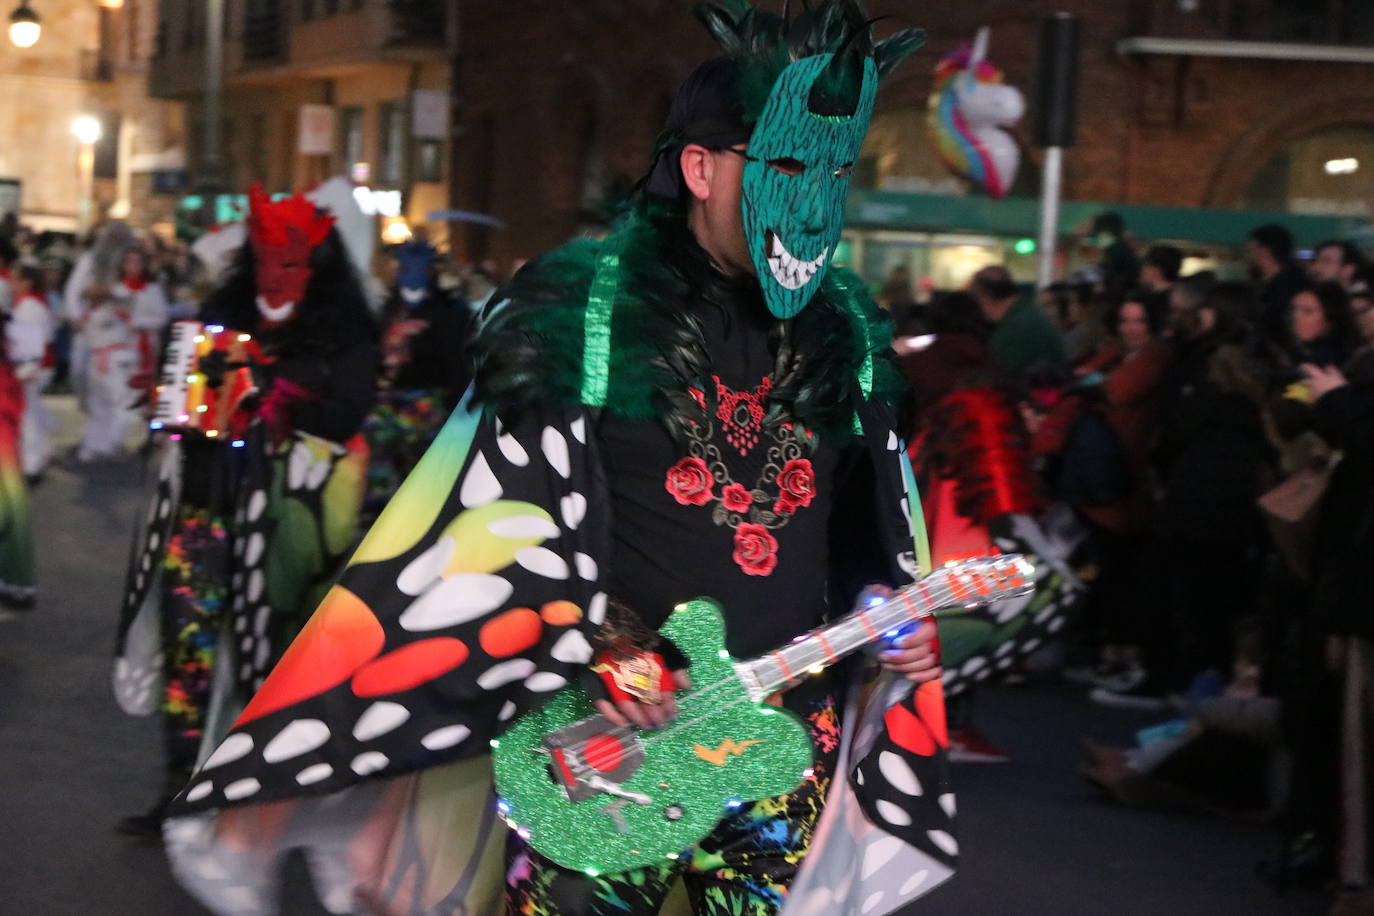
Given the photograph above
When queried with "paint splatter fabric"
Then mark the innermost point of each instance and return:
(195, 583)
(400, 429)
(744, 868)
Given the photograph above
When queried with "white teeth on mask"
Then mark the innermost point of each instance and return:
(275, 313)
(788, 270)
(413, 296)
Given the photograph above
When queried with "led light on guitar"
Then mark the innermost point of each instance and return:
(184, 418)
(523, 832)
(494, 743)
(211, 433)
(723, 653)
(679, 607)
(156, 424)
(199, 338)
(201, 408)
(816, 669)
(671, 855)
(215, 328)
(238, 443)
(875, 601)
(591, 872)
(503, 806)
(734, 803)
(808, 773)
(244, 338)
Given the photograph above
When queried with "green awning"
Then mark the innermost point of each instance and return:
(1020, 217)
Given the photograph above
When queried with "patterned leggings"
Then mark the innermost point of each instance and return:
(194, 598)
(743, 868)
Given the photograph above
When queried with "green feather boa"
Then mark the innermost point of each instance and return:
(532, 342)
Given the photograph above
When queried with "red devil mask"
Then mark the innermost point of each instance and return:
(283, 234)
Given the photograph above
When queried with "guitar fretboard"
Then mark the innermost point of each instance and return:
(978, 582)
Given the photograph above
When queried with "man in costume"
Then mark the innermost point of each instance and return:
(697, 405)
(248, 523)
(424, 371)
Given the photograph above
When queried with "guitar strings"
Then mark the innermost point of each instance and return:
(936, 596)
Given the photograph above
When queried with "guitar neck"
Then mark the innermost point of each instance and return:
(813, 652)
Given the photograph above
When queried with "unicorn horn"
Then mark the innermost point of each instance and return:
(980, 47)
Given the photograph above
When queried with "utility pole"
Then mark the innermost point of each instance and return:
(1056, 92)
(211, 158)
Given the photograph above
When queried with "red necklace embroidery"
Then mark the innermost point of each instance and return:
(786, 483)
(741, 413)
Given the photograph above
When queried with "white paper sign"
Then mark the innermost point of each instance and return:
(429, 114)
(316, 134)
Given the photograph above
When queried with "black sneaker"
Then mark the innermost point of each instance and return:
(145, 826)
(1145, 694)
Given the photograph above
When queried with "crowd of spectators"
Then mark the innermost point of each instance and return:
(1216, 440)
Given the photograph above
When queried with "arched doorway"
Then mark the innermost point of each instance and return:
(1327, 171)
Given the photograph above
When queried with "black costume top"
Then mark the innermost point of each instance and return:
(679, 524)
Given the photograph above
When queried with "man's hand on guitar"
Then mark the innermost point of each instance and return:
(630, 709)
(915, 653)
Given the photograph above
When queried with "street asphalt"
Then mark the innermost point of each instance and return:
(1036, 840)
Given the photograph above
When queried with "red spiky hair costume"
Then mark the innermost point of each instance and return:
(288, 222)
(282, 234)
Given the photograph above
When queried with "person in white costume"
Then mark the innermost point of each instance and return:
(120, 331)
(29, 334)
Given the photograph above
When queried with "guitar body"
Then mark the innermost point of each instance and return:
(601, 799)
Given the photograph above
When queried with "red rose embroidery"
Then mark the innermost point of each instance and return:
(736, 498)
(689, 482)
(796, 486)
(756, 551)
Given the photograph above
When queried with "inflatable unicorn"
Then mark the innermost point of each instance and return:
(969, 110)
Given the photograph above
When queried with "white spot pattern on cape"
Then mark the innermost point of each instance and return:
(234, 747)
(899, 774)
(378, 719)
(300, 737)
(456, 599)
(516, 669)
(480, 485)
(556, 451)
(442, 738)
(542, 562)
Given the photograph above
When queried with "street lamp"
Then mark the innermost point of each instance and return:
(24, 26)
(86, 129)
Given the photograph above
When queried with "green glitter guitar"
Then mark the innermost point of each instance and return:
(598, 798)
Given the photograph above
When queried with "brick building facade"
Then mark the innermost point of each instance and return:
(89, 61)
(555, 99)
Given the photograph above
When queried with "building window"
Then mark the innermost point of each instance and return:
(107, 147)
(391, 148)
(257, 146)
(429, 165)
(351, 138)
